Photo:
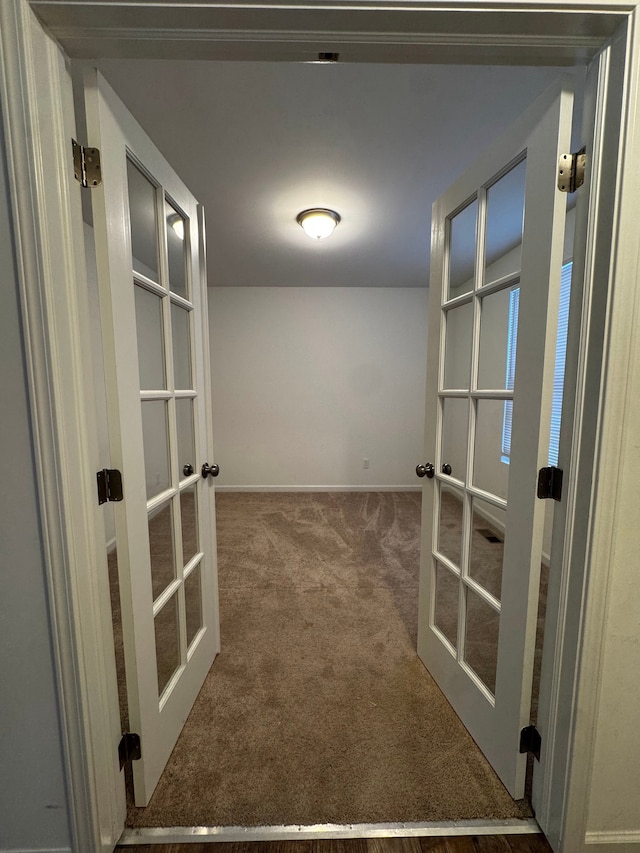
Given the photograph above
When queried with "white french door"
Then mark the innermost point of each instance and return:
(150, 258)
(497, 243)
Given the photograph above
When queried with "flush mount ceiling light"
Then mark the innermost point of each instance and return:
(318, 222)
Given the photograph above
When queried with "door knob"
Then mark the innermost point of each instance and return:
(425, 470)
(188, 469)
(446, 468)
(207, 469)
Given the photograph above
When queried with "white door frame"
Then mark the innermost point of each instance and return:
(47, 211)
(38, 116)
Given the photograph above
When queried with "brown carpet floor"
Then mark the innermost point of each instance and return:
(318, 709)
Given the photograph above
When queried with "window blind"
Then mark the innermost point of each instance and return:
(561, 357)
(558, 375)
(512, 342)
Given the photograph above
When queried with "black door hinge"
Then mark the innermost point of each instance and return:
(129, 748)
(86, 165)
(550, 483)
(530, 741)
(109, 485)
(571, 171)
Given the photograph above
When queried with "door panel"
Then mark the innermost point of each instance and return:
(495, 273)
(148, 231)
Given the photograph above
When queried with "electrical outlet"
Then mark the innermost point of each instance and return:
(365, 463)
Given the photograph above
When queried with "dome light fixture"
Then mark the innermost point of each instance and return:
(318, 222)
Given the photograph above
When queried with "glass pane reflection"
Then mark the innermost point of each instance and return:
(144, 232)
(481, 639)
(181, 348)
(498, 341)
(446, 604)
(166, 625)
(455, 423)
(487, 546)
(176, 248)
(462, 251)
(490, 473)
(193, 602)
(156, 446)
(161, 549)
(458, 337)
(186, 440)
(450, 524)
(505, 222)
(149, 337)
(189, 516)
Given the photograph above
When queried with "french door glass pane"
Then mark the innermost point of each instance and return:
(462, 251)
(455, 421)
(457, 358)
(481, 639)
(489, 472)
(176, 247)
(189, 516)
(505, 221)
(487, 546)
(181, 348)
(156, 446)
(166, 624)
(193, 602)
(497, 336)
(450, 523)
(150, 339)
(186, 441)
(161, 549)
(446, 604)
(144, 230)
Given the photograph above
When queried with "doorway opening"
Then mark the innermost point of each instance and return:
(364, 514)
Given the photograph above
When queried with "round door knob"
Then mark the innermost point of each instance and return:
(446, 468)
(207, 469)
(425, 470)
(188, 469)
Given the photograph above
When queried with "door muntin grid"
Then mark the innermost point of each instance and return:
(479, 497)
(176, 632)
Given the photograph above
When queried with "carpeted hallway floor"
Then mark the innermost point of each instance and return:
(318, 709)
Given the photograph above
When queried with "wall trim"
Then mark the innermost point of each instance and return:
(375, 30)
(612, 847)
(630, 837)
(312, 37)
(39, 850)
(318, 488)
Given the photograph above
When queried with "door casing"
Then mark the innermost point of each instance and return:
(46, 210)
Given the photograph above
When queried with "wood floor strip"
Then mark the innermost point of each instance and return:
(511, 843)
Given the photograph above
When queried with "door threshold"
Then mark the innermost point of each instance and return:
(297, 832)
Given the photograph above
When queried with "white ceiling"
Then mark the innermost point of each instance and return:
(259, 142)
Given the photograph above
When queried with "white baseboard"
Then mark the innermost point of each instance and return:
(411, 488)
(35, 850)
(624, 841)
(111, 544)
